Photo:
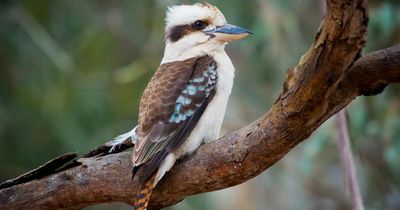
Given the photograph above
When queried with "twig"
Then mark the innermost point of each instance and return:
(346, 156)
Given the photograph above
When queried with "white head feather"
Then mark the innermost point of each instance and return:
(186, 14)
(196, 43)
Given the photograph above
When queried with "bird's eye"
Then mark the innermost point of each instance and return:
(199, 25)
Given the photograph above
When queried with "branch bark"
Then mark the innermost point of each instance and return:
(321, 85)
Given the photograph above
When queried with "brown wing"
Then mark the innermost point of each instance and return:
(171, 105)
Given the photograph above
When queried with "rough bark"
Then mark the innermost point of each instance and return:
(324, 82)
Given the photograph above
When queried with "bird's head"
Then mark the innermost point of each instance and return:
(192, 30)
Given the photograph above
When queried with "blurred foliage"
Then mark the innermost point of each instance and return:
(72, 73)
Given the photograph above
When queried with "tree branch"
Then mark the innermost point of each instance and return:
(321, 85)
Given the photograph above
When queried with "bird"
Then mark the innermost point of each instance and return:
(185, 101)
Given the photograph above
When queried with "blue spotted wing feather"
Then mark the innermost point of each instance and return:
(175, 141)
(194, 93)
(171, 106)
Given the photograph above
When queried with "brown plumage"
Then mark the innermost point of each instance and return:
(170, 108)
(158, 103)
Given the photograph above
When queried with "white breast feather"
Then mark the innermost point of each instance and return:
(209, 125)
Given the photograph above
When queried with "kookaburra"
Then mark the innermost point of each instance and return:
(184, 103)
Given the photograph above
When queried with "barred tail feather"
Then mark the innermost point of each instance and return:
(144, 194)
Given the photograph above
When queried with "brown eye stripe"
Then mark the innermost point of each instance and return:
(177, 32)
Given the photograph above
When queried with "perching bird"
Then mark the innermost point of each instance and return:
(185, 101)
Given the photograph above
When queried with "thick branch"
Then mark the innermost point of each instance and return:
(322, 84)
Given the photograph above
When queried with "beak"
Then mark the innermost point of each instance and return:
(228, 32)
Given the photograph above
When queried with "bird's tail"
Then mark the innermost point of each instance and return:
(145, 191)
